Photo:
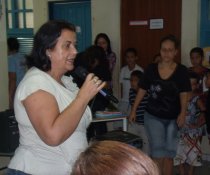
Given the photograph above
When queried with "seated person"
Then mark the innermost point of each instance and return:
(93, 59)
(114, 158)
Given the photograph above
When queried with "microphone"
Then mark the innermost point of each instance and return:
(82, 73)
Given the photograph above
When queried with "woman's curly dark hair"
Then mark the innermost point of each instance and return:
(46, 38)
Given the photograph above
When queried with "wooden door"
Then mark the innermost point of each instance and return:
(136, 16)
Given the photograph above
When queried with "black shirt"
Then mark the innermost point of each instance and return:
(164, 94)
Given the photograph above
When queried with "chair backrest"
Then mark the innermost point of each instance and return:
(9, 132)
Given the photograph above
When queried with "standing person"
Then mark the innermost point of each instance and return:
(94, 60)
(137, 127)
(16, 67)
(52, 113)
(98, 64)
(114, 158)
(189, 146)
(103, 41)
(207, 113)
(168, 85)
(131, 57)
(196, 58)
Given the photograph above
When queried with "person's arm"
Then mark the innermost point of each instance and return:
(184, 95)
(12, 88)
(183, 102)
(121, 82)
(52, 126)
(140, 95)
(112, 61)
(202, 108)
(207, 114)
(121, 90)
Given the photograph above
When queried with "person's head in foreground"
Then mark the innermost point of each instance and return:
(113, 158)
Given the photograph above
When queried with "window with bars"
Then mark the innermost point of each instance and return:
(19, 21)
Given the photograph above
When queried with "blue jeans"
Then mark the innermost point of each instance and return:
(162, 136)
(15, 172)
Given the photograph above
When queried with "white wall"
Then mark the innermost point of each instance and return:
(40, 13)
(107, 20)
(190, 28)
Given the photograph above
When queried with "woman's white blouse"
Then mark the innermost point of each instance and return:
(33, 156)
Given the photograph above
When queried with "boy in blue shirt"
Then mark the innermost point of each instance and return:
(16, 67)
(138, 126)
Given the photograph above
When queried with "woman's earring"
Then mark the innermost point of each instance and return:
(48, 53)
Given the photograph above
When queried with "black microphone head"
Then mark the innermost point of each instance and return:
(81, 72)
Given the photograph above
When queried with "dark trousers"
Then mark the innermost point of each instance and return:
(15, 172)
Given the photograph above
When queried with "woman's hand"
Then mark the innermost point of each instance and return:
(91, 87)
(181, 119)
(132, 116)
(184, 98)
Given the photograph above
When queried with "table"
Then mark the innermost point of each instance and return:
(110, 119)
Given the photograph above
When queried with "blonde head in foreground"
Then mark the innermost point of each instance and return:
(114, 158)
